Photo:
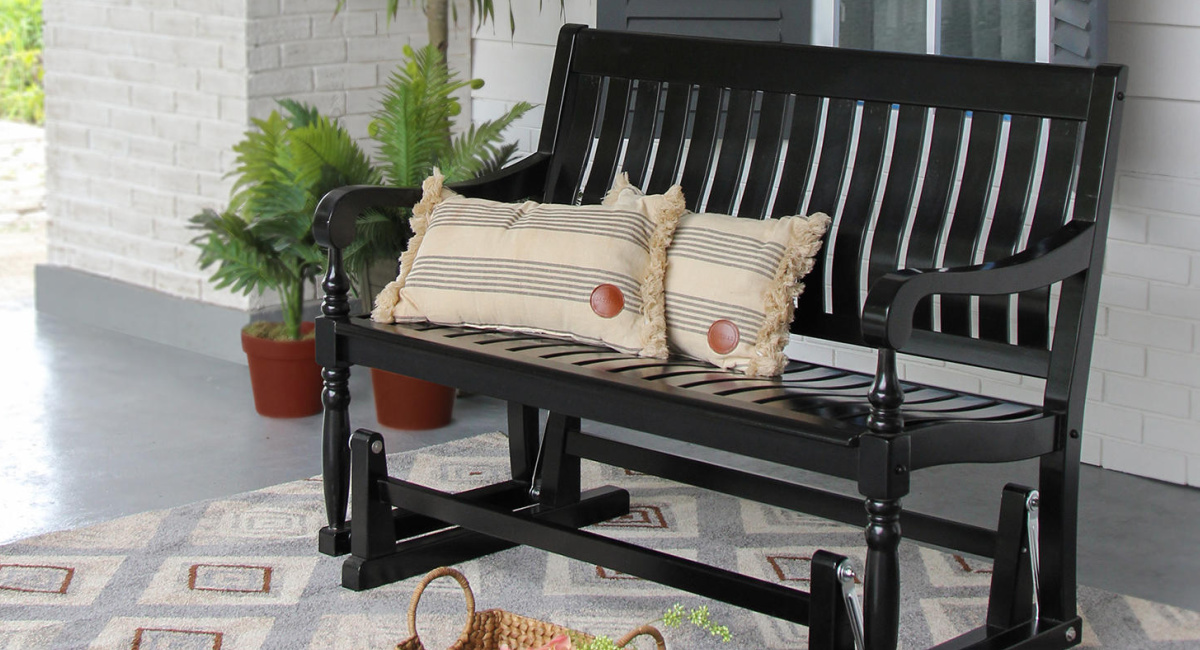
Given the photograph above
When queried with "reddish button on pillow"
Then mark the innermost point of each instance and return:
(607, 300)
(723, 336)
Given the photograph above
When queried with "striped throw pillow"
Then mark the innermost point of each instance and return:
(589, 273)
(732, 285)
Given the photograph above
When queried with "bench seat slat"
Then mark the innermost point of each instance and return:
(829, 403)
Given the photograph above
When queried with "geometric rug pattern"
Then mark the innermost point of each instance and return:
(243, 573)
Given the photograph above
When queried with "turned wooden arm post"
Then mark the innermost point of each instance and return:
(883, 479)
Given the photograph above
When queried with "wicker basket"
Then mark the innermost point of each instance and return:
(488, 629)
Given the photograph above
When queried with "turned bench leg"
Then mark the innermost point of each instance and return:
(334, 539)
(882, 589)
(883, 466)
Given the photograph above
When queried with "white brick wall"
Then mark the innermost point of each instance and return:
(1143, 414)
(516, 66)
(1149, 354)
(146, 98)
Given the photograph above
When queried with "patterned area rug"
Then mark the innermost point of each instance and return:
(243, 573)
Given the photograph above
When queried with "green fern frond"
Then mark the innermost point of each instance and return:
(470, 151)
(501, 157)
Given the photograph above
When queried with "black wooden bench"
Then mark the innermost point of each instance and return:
(970, 202)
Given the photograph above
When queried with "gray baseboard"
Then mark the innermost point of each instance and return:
(97, 301)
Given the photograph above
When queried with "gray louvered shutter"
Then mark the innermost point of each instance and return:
(785, 21)
(1080, 34)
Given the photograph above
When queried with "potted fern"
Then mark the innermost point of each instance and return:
(413, 127)
(263, 242)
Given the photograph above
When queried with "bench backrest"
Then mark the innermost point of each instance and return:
(923, 162)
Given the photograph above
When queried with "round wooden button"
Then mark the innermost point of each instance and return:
(607, 300)
(723, 336)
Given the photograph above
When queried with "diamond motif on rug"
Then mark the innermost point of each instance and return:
(183, 633)
(55, 580)
(229, 580)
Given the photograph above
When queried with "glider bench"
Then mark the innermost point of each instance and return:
(970, 203)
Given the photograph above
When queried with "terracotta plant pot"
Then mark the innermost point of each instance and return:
(405, 403)
(284, 375)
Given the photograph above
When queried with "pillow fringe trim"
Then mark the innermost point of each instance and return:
(665, 213)
(768, 359)
(433, 193)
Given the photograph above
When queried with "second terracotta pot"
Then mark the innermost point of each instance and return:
(284, 376)
(405, 403)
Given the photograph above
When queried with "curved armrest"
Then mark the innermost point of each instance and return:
(337, 214)
(887, 320)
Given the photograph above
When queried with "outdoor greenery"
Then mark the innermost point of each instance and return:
(263, 241)
(672, 618)
(21, 94)
(412, 127)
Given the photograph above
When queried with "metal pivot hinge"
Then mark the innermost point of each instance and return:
(1031, 533)
(854, 608)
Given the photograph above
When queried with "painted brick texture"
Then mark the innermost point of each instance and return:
(146, 98)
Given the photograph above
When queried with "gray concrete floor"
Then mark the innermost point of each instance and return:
(98, 425)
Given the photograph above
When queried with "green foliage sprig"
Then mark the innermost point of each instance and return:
(412, 127)
(22, 96)
(263, 241)
(672, 618)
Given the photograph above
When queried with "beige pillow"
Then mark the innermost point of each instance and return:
(590, 273)
(732, 285)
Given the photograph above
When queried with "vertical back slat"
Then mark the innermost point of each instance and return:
(732, 159)
(1012, 203)
(763, 163)
(670, 144)
(608, 148)
(966, 229)
(579, 113)
(835, 148)
(802, 140)
(1058, 171)
(856, 213)
(702, 146)
(641, 131)
(940, 168)
(898, 195)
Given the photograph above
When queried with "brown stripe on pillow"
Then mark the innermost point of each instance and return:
(596, 222)
(564, 282)
(699, 321)
(763, 260)
(730, 240)
(698, 303)
(481, 266)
